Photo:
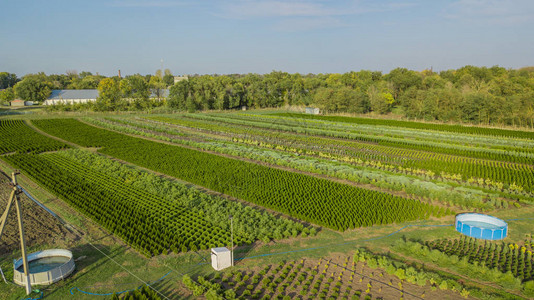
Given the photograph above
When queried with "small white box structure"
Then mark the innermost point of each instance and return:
(312, 110)
(221, 258)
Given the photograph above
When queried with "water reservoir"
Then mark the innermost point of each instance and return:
(481, 226)
(46, 267)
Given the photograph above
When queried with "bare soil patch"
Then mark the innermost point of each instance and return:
(40, 227)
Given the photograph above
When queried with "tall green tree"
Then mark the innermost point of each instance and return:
(7, 80)
(109, 95)
(140, 91)
(402, 79)
(343, 99)
(380, 98)
(168, 79)
(33, 88)
(178, 95)
(6, 95)
(157, 85)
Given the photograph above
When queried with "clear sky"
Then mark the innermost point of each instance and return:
(258, 36)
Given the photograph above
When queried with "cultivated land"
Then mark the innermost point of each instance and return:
(314, 200)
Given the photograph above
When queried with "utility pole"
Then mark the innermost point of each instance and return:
(232, 239)
(162, 68)
(15, 198)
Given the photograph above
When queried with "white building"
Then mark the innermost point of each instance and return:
(71, 97)
(180, 78)
(312, 110)
(85, 96)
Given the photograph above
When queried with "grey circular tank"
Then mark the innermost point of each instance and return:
(46, 267)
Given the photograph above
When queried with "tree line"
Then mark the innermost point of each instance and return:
(38, 87)
(470, 94)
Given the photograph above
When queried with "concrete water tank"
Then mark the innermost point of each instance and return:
(46, 267)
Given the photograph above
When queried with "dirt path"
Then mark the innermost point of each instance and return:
(30, 124)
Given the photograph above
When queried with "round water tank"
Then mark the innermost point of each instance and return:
(46, 267)
(481, 226)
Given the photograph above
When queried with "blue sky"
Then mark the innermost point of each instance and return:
(304, 36)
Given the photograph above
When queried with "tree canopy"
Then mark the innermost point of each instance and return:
(470, 94)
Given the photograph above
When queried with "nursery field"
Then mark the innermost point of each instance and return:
(166, 186)
(479, 171)
(319, 201)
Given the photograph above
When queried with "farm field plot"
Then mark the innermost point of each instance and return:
(319, 201)
(171, 217)
(393, 157)
(16, 136)
(253, 223)
(410, 139)
(515, 258)
(148, 223)
(418, 125)
(135, 180)
(453, 179)
(362, 275)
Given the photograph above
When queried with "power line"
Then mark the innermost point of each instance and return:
(138, 278)
(89, 242)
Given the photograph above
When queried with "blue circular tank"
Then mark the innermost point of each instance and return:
(481, 226)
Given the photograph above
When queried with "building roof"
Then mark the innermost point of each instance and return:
(17, 100)
(73, 94)
(88, 94)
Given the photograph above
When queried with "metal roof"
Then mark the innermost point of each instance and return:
(88, 94)
(73, 94)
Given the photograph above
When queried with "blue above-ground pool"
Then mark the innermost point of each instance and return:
(481, 226)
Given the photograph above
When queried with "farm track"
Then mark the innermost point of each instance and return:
(30, 124)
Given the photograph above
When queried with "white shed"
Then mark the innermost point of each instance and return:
(71, 97)
(312, 110)
(221, 258)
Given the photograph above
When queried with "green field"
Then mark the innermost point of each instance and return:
(315, 200)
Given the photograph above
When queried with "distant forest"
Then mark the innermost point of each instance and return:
(476, 95)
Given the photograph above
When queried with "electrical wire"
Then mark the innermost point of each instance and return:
(89, 242)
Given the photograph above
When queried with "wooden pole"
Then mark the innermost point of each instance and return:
(23, 247)
(3, 220)
(17, 192)
(232, 238)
